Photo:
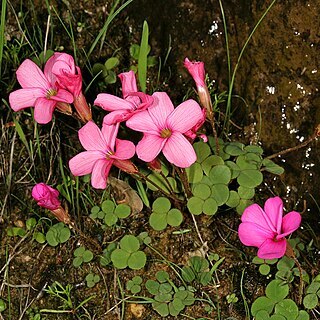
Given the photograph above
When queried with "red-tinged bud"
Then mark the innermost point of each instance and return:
(46, 196)
(83, 110)
(155, 165)
(64, 107)
(126, 166)
(61, 215)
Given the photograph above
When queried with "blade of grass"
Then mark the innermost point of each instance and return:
(142, 60)
(104, 29)
(228, 110)
(2, 27)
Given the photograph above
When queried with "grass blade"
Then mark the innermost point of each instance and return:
(143, 54)
(2, 27)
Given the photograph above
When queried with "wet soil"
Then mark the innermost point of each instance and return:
(278, 80)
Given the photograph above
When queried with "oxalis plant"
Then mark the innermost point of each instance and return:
(180, 163)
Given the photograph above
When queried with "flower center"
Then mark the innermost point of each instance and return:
(51, 92)
(108, 154)
(165, 133)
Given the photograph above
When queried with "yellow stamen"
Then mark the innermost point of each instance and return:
(165, 133)
(51, 92)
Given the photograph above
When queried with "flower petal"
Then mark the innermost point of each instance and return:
(271, 249)
(100, 173)
(185, 116)
(43, 110)
(124, 150)
(91, 137)
(110, 102)
(179, 151)
(251, 234)
(143, 122)
(274, 210)
(149, 147)
(30, 75)
(160, 109)
(256, 215)
(83, 163)
(110, 134)
(49, 67)
(129, 83)
(24, 98)
(63, 96)
(290, 223)
(116, 117)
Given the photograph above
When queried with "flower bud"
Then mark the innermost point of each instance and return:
(46, 196)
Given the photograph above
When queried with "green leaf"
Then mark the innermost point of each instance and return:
(205, 278)
(152, 61)
(314, 287)
(310, 301)
(199, 264)
(158, 221)
(31, 223)
(3, 305)
(162, 276)
(129, 243)
(233, 200)
(79, 252)
(287, 308)
(120, 258)
(152, 286)
(99, 68)
(254, 149)
(161, 307)
(111, 63)
(137, 279)
(194, 173)
(64, 235)
(209, 162)
(243, 164)
(187, 274)
(122, 211)
(235, 170)
(246, 193)
(137, 260)
(174, 217)
(95, 210)
(77, 262)
(272, 167)
(303, 315)
(39, 237)
(108, 206)
(202, 150)
(243, 205)
(165, 288)
(134, 51)
(87, 256)
(202, 191)
(51, 237)
(110, 219)
(220, 193)
(142, 60)
(210, 206)
(254, 159)
(276, 290)
(175, 307)
(250, 178)
(277, 317)
(262, 303)
(160, 181)
(285, 264)
(195, 205)
(220, 174)
(264, 269)
(262, 315)
(161, 205)
(234, 150)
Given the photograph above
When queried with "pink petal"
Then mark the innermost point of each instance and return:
(24, 98)
(30, 75)
(251, 234)
(49, 66)
(179, 151)
(256, 215)
(160, 109)
(110, 102)
(197, 71)
(63, 96)
(117, 116)
(129, 83)
(274, 210)
(83, 163)
(187, 115)
(91, 137)
(271, 249)
(100, 173)
(290, 223)
(149, 147)
(110, 134)
(43, 110)
(124, 150)
(143, 122)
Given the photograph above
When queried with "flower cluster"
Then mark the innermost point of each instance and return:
(165, 129)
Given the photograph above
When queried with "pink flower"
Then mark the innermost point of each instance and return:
(192, 133)
(132, 102)
(197, 71)
(39, 90)
(102, 151)
(46, 196)
(164, 128)
(69, 77)
(267, 229)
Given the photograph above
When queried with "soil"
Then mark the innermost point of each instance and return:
(278, 83)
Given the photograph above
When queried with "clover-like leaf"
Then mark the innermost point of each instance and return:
(158, 221)
(129, 243)
(233, 200)
(162, 276)
(120, 258)
(210, 207)
(310, 301)
(174, 217)
(137, 260)
(287, 308)
(220, 174)
(107, 206)
(152, 286)
(250, 178)
(194, 173)
(220, 193)
(202, 150)
(276, 290)
(202, 191)
(161, 205)
(195, 205)
(262, 303)
(246, 193)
